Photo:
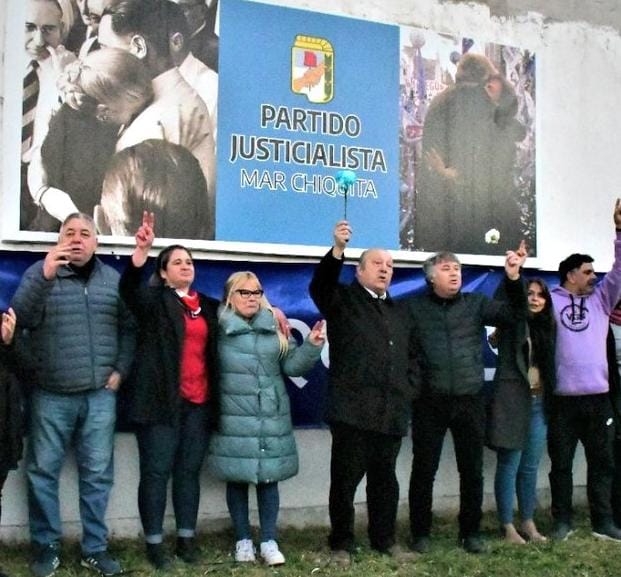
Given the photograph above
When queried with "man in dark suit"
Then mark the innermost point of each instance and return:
(369, 393)
(203, 40)
(45, 59)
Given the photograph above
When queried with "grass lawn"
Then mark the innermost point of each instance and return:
(307, 555)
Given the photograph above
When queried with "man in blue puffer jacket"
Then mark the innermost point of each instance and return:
(82, 345)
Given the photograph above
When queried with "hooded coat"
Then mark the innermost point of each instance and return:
(582, 327)
(510, 410)
(255, 442)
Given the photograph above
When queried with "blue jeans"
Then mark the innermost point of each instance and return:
(516, 470)
(176, 450)
(87, 420)
(268, 501)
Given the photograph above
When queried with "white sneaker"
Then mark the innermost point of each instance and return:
(271, 554)
(244, 551)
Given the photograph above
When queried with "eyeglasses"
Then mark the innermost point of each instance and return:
(246, 294)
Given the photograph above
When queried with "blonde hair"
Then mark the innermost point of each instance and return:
(236, 280)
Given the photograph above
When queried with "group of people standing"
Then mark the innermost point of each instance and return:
(552, 374)
(199, 372)
(205, 378)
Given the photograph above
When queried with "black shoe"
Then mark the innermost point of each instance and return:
(561, 531)
(608, 532)
(46, 560)
(473, 544)
(421, 544)
(102, 563)
(187, 550)
(156, 555)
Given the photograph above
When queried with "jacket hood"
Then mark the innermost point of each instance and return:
(232, 324)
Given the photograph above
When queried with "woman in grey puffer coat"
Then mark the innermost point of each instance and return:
(255, 443)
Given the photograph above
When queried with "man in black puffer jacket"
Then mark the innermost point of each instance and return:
(447, 329)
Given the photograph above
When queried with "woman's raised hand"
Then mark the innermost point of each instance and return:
(515, 260)
(317, 335)
(145, 235)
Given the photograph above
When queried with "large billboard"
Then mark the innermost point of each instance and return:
(243, 149)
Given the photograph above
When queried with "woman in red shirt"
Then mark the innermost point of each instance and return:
(173, 388)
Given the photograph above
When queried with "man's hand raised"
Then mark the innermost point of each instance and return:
(57, 256)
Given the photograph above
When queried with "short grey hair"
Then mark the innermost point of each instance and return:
(82, 216)
(432, 261)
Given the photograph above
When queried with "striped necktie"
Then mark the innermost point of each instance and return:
(30, 98)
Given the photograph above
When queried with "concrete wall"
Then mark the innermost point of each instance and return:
(304, 499)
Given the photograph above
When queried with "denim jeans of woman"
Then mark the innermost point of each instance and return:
(516, 470)
(176, 450)
(268, 501)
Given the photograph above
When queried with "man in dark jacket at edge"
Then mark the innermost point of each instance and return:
(369, 393)
(81, 338)
(447, 330)
(10, 403)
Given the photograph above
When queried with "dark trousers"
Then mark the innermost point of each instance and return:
(588, 419)
(176, 450)
(355, 453)
(464, 415)
(3, 476)
(616, 479)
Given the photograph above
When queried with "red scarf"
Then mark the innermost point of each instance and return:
(191, 302)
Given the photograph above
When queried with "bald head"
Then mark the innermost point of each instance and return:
(374, 270)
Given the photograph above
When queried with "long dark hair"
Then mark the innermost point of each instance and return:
(542, 329)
